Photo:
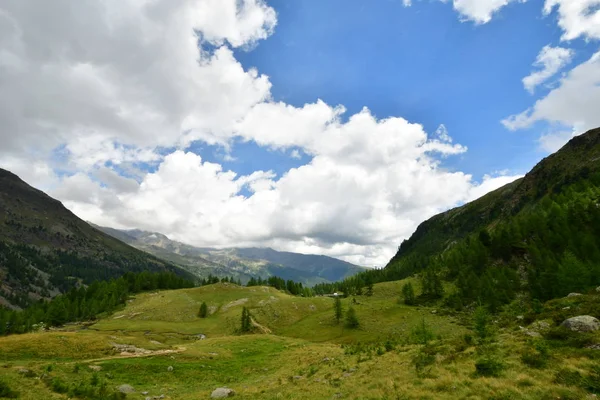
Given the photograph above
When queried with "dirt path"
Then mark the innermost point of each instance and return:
(148, 353)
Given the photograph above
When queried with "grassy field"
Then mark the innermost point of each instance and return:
(151, 346)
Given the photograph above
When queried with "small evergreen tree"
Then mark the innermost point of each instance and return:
(246, 324)
(351, 319)
(337, 309)
(203, 313)
(408, 293)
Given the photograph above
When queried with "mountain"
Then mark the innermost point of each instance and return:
(45, 249)
(241, 263)
(539, 235)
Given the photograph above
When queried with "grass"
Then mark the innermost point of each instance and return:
(308, 356)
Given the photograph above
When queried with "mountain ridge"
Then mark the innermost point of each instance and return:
(241, 263)
(45, 249)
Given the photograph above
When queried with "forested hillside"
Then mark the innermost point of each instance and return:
(539, 235)
(45, 249)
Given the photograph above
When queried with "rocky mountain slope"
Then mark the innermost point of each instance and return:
(45, 249)
(241, 263)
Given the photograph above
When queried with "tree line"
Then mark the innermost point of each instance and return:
(85, 303)
(548, 249)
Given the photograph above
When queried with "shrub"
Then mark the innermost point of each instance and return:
(568, 377)
(408, 293)
(7, 392)
(424, 358)
(203, 313)
(489, 365)
(421, 333)
(351, 319)
(536, 355)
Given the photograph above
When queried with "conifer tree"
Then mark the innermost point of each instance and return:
(337, 309)
(203, 313)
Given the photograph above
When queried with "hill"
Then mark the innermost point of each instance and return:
(45, 249)
(538, 234)
(241, 263)
(296, 350)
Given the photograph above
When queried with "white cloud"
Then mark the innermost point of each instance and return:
(98, 87)
(549, 62)
(574, 103)
(489, 184)
(551, 142)
(579, 18)
(479, 11)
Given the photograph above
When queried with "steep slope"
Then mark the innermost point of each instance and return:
(539, 235)
(45, 249)
(241, 263)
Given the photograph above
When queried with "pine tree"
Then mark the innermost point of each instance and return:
(246, 324)
(408, 294)
(203, 313)
(337, 309)
(351, 319)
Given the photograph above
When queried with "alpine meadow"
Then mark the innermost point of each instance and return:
(262, 199)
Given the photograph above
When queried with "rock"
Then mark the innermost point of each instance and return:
(529, 332)
(520, 317)
(144, 393)
(574, 294)
(326, 359)
(297, 377)
(598, 289)
(221, 393)
(95, 368)
(566, 308)
(126, 389)
(582, 323)
(540, 326)
(170, 368)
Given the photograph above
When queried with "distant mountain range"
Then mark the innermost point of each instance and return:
(241, 263)
(45, 249)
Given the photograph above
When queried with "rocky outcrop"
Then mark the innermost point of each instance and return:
(582, 323)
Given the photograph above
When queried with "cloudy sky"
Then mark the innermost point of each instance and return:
(331, 127)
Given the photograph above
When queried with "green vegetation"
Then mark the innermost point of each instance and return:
(537, 236)
(351, 319)
(85, 303)
(337, 309)
(398, 351)
(203, 313)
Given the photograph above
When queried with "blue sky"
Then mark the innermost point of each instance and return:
(329, 127)
(419, 62)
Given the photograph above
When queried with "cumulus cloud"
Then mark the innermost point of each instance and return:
(576, 18)
(111, 90)
(549, 62)
(574, 103)
(479, 11)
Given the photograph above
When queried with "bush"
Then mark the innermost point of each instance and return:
(421, 333)
(408, 293)
(536, 355)
(7, 392)
(203, 313)
(568, 377)
(489, 365)
(351, 319)
(424, 358)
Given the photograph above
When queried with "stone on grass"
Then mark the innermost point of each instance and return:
(170, 368)
(574, 294)
(126, 389)
(582, 323)
(95, 368)
(221, 393)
